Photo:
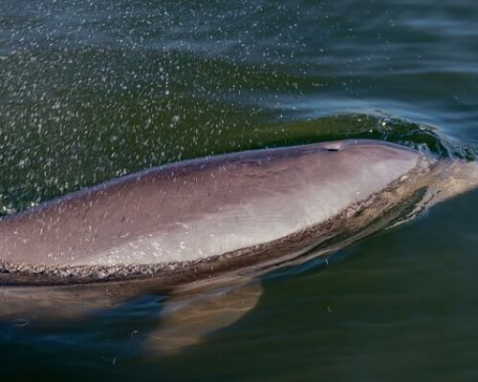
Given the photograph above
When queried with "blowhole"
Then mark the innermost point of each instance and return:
(333, 146)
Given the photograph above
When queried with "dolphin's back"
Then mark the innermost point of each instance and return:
(204, 207)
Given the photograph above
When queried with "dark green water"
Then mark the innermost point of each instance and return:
(94, 89)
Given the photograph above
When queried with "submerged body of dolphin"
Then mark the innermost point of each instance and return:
(236, 214)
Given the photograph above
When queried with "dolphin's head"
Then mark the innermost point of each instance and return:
(365, 167)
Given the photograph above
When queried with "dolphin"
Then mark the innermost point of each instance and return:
(206, 227)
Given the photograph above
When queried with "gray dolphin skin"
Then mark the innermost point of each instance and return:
(226, 219)
(211, 210)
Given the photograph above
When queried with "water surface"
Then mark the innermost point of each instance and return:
(94, 89)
